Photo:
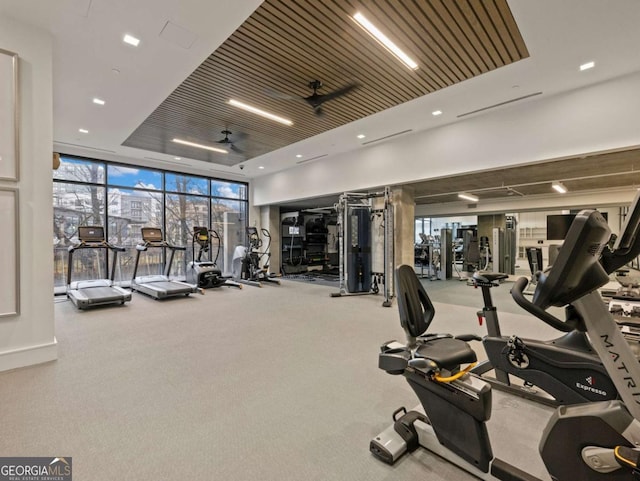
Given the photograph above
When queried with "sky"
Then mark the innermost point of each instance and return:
(126, 176)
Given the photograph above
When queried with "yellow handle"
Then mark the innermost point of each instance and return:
(620, 457)
(458, 375)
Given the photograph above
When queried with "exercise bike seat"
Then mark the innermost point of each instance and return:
(448, 353)
(484, 278)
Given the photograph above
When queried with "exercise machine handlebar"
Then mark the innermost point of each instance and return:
(146, 244)
(95, 245)
(517, 292)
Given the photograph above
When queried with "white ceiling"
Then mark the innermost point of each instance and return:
(560, 35)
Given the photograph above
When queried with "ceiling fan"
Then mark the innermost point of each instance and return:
(227, 142)
(315, 100)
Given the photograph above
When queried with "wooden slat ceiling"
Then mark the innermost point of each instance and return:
(593, 172)
(285, 44)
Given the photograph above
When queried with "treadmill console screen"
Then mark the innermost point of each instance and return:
(91, 234)
(151, 234)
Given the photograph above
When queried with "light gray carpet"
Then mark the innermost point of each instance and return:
(278, 383)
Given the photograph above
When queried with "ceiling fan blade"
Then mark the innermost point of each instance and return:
(337, 93)
(236, 149)
(279, 95)
(239, 135)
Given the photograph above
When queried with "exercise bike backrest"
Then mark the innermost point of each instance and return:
(415, 307)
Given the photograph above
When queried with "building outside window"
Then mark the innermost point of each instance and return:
(124, 199)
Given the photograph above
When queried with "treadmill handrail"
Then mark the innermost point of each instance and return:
(142, 246)
(95, 245)
(103, 244)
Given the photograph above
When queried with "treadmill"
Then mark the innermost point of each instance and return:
(158, 286)
(97, 292)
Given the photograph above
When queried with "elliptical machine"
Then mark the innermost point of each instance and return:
(588, 442)
(246, 261)
(206, 274)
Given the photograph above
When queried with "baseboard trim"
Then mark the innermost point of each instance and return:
(28, 356)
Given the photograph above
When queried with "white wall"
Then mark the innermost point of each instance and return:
(29, 337)
(596, 118)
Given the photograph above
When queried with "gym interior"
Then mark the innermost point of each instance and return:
(218, 215)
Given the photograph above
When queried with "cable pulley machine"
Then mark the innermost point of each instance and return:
(356, 212)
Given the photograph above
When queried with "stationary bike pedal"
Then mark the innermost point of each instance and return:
(401, 410)
(404, 426)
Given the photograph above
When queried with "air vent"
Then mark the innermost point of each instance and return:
(84, 147)
(166, 161)
(472, 206)
(312, 158)
(387, 137)
(500, 104)
(178, 35)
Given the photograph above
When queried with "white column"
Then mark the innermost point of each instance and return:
(29, 338)
(404, 225)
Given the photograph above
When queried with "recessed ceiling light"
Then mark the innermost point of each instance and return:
(83, 131)
(262, 113)
(559, 187)
(200, 146)
(298, 156)
(383, 40)
(177, 158)
(587, 66)
(435, 113)
(361, 136)
(98, 101)
(468, 197)
(131, 40)
(261, 167)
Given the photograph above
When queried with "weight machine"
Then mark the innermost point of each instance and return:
(504, 247)
(427, 254)
(356, 213)
(470, 255)
(534, 257)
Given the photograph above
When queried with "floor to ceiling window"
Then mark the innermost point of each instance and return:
(125, 198)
